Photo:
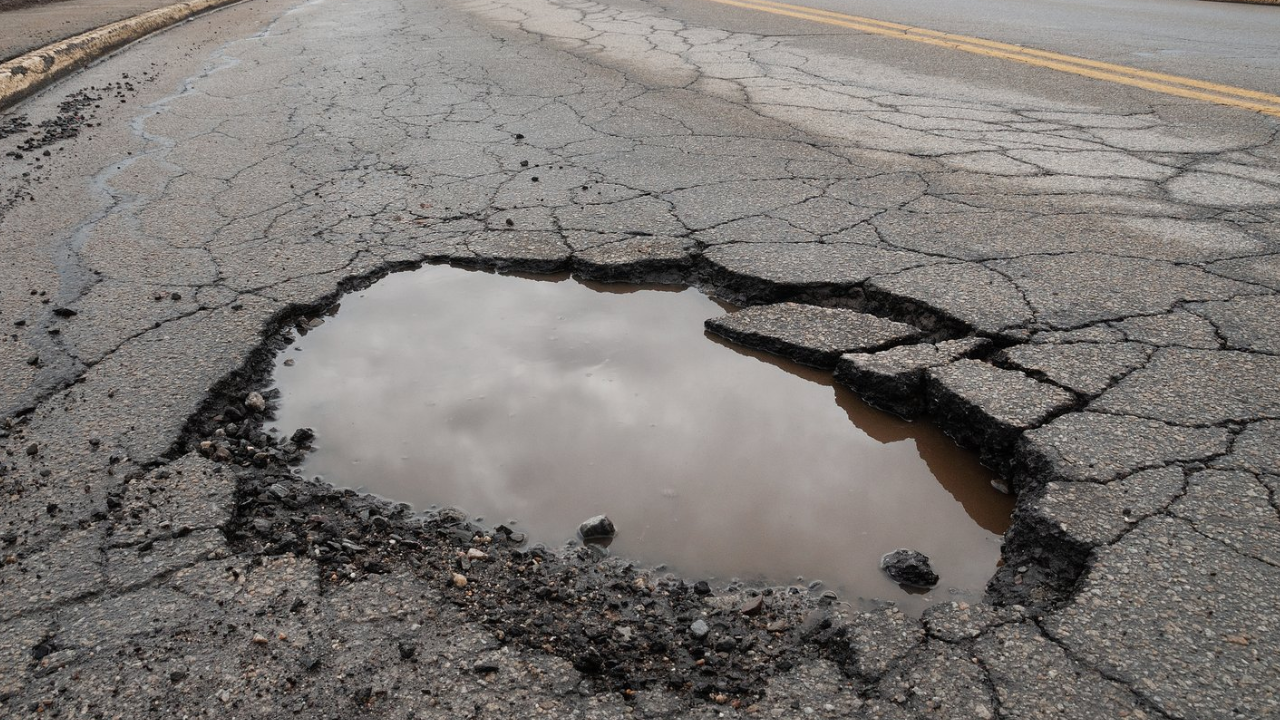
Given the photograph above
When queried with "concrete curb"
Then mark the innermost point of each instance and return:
(25, 74)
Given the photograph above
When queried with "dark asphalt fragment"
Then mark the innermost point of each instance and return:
(598, 529)
(910, 568)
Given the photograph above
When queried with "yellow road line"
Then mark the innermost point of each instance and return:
(1147, 80)
(1122, 69)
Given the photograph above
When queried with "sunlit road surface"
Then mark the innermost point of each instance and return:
(1225, 43)
(1083, 66)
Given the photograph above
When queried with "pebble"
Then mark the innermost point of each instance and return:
(699, 629)
(752, 606)
(32, 449)
(477, 554)
(459, 580)
(255, 402)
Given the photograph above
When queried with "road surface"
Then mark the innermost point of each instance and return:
(1114, 245)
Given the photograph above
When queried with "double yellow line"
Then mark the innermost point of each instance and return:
(1145, 79)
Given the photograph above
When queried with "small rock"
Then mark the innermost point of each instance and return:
(178, 676)
(701, 588)
(407, 651)
(32, 449)
(459, 580)
(259, 639)
(699, 629)
(255, 402)
(908, 567)
(598, 529)
(302, 437)
(753, 606)
(64, 312)
(477, 554)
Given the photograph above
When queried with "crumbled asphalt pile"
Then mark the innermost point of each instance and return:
(14, 126)
(626, 629)
(77, 112)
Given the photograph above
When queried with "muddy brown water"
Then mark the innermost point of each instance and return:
(547, 401)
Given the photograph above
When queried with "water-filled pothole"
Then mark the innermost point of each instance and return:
(546, 400)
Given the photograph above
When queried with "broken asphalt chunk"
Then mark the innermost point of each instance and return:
(893, 379)
(810, 334)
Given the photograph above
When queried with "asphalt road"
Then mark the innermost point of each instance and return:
(27, 26)
(1094, 267)
(1231, 43)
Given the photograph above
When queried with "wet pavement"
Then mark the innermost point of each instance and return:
(1091, 272)
(550, 401)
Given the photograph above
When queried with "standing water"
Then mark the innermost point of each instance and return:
(548, 401)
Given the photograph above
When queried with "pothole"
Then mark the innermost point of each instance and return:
(542, 401)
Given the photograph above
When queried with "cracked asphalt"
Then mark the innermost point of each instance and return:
(1079, 281)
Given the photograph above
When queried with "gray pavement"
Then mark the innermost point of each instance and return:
(1228, 43)
(1118, 248)
(28, 28)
